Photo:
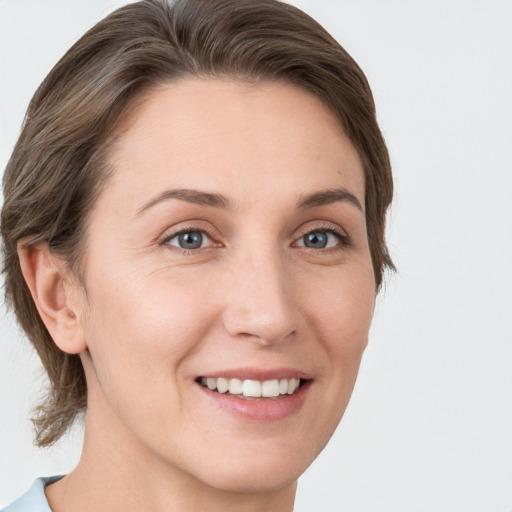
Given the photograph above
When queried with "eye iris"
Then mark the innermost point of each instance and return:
(190, 240)
(315, 240)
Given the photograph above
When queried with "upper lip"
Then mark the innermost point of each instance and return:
(261, 374)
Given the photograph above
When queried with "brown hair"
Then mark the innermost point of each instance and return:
(58, 164)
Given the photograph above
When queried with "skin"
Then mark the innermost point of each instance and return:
(155, 317)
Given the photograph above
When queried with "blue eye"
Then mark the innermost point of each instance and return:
(189, 240)
(320, 239)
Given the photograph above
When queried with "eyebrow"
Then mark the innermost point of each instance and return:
(321, 198)
(190, 196)
(330, 196)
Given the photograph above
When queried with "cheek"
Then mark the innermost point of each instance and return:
(343, 313)
(142, 330)
(343, 309)
(340, 315)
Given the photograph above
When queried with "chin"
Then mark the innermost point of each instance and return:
(257, 469)
(254, 478)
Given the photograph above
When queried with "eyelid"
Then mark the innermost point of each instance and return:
(172, 233)
(329, 228)
(309, 228)
(205, 239)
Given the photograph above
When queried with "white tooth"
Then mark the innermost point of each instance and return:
(211, 383)
(297, 385)
(292, 385)
(270, 388)
(283, 386)
(251, 388)
(222, 385)
(235, 386)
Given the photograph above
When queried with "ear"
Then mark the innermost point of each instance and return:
(55, 294)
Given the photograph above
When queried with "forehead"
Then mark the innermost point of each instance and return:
(212, 133)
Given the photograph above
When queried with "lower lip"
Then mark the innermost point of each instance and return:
(266, 409)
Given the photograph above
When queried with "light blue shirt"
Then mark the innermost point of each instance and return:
(34, 500)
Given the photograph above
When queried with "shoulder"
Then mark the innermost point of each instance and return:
(34, 500)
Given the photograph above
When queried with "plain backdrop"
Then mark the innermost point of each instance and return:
(429, 427)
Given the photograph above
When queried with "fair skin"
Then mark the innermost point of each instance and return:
(213, 251)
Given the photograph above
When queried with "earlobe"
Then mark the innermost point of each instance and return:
(53, 294)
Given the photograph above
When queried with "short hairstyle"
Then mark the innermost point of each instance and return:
(59, 165)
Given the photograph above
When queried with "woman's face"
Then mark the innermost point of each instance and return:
(228, 250)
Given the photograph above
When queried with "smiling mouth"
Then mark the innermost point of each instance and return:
(252, 389)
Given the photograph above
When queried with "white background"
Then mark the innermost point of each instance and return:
(429, 427)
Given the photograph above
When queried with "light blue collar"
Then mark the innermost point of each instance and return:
(34, 500)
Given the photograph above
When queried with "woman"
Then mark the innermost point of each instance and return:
(193, 234)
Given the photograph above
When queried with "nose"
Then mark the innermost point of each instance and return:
(260, 301)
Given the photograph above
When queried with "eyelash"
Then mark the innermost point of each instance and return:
(344, 240)
(189, 229)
